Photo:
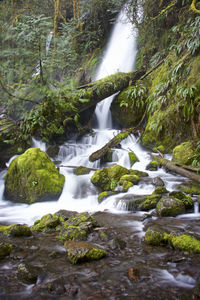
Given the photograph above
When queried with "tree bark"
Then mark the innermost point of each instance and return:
(177, 169)
(112, 143)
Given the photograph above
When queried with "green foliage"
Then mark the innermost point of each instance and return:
(137, 95)
(196, 156)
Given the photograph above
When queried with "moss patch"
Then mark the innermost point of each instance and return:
(182, 153)
(46, 223)
(132, 158)
(16, 230)
(5, 249)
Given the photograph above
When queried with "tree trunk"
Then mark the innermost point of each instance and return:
(177, 169)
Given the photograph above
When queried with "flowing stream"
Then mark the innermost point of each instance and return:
(79, 194)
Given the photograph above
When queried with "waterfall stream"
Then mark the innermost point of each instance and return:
(79, 194)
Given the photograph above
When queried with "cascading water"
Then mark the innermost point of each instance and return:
(79, 194)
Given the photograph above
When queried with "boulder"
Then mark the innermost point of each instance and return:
(152, 166)
(33, 177)
(5, 249)
(16, 230)
(170, 207)
(182, 153)
(79, 252)
(46, 223)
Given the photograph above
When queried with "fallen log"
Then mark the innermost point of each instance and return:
(112, 143)
(177, 169)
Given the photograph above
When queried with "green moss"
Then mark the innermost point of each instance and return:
(186, 199)
(5, 249)
(79, 252)
(150, 202)
(160, 190)
(46, 223)
(132, 158)
(72, 233)
(152, 166)
(170, 207)
(32, 177)
(81, 170)
(131, 178)
(138, 173)
(102, 196)
(126, 185)
(184, 242)
(182, 153)
(190, 187)
(154, 236)
(16, 230)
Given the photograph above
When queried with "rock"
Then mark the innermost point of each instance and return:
(46, 223)
(170, 207)
(160, 190)
(53, 150)
(157, 181)
(186, 199)
(79, 252)
(102, 196)
(184, 242)
(189, 187)
(16, 230)
(116, 243)
(28, 273)
(82, 170)
(131, 178)
(149, 202)
(152, 166)
(5, 249)
(65, 214)
(132, 158)
(138, 173)
(154, 236)
(77, 227)
(182, 153)
(136, 202)
(107, 178)
(33, 177)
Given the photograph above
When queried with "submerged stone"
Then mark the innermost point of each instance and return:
(79, 252)
(5, 249)
(33, 177)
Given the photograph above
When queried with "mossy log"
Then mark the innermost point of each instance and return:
(112, 143)
(177, 169)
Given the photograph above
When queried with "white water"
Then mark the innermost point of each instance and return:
(79, 194)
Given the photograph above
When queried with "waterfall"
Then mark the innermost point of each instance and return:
(79, 194)
(119, 57)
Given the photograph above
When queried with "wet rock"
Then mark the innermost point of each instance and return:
(157, 181)
(132, 158)
(28, 273)
(184, 242)
(53, 150)
(33, 177)
(16, 230)
(160, 190)
(152, 166)
(65, 214)
(77, 227)
(82, 170)
(170, 207)
(79, 252)
(5, 249)
(154, 236)
(104, 195)
(182, 153)
(116, 243)
(130, 178)
(186, 199)
(135, 202)
(189, 187)
(46, 223)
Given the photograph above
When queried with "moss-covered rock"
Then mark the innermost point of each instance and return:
(46, 223)
(189, 187)
(5, 249)
(154, 236)
(77, 227)
(28, 273)
(138, 173)
(152, 166)
(79, 252)
(170, 207)
(135, 203)
(107, 178)
(33, 177)
(16, 230)
(149, 202)
(131, 178)
(132, 158)
(184, 242)
(127, 115)
(160, 190)
(186, 199)
(182, 153)
(102, 196)
(82, 170)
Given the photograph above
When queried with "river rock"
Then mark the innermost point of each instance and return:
(5, 249)
(27, 273)
(152, 166)
(33, 177)
(83, 251)
(137, 202)
(170, 207)
(189, 187)
(46, 223)
(182, 153)
(157, 181)
(16, 230)
(82, 170)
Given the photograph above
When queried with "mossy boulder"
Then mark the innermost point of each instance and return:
(184, 242)
(138, 173)
(127, 115)
(82, 170)
(154, 236)
(77, 227)
(46, 223)
(16, 230)
(152, 166)
(186, 199)
(149, 202)
(170, 207)
(189, 187)
(79, 252)
(182, 153)
(102, 196)
(132, 158)
(160, 190)
(5, 249)
(131, 178)
(107, 179)
(135, 203)
(33, 177)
